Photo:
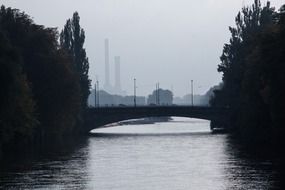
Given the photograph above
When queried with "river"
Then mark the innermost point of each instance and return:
(177, 155)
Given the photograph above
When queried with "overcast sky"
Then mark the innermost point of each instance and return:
(166, 41)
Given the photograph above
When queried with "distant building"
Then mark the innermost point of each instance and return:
(160, 97)
(117, 87)
(106, 99)
(129, 100)
(107, 85)
(198, 100)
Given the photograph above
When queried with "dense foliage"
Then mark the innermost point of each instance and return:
(17, 108)
(253, 71)
(41, 92)
(72, 39)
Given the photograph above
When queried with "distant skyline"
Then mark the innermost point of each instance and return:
(167, 41)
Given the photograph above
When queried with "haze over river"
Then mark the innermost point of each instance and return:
(177, 155)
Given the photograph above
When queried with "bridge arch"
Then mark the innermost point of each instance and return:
(98, 117)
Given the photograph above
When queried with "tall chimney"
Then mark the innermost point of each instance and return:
(107, 69)
(117, 75)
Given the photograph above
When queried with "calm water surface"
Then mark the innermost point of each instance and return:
(181, 154)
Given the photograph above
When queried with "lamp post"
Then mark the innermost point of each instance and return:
(98, 94)
(95, 95)
(192, 95)
(135, 101)
(158, 98)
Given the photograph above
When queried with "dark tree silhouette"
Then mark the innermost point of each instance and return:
(252, 65)
(40, 90)
(17, 108)
(72, 39)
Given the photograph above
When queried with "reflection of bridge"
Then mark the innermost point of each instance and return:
(98, 117)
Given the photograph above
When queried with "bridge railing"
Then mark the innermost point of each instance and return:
(144, 106)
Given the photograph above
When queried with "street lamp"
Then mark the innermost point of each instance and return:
(192, 95)
(158, 98)
(157, 93)
(95, 95)
(98, 94)
(135, 101)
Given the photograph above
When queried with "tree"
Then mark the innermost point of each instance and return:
(72, 39)
(264, 82)
(46, 71)
(17, 107)
(249, 23)
(253, 75)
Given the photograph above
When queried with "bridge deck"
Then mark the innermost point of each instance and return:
(104, 115)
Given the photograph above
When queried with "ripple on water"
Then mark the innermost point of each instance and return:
(181, 154)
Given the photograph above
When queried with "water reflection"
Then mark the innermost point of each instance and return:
(57, 165)
(246, 170)
(174, 155)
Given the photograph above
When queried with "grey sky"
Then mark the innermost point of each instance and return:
(170, 41)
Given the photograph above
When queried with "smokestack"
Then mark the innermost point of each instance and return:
(107, 69)
(117, 75)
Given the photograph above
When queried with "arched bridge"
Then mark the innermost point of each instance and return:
(98, 117)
